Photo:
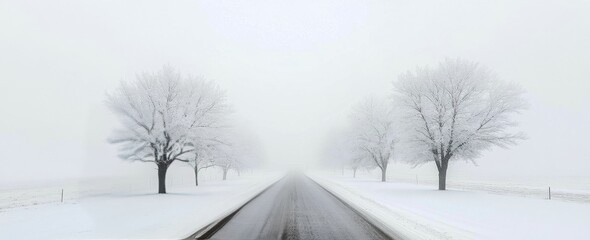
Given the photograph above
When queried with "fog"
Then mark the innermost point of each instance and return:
(292, 71)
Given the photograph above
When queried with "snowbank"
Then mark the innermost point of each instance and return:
(419, 212)
(177, 214)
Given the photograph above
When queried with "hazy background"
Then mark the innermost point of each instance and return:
(292, 69)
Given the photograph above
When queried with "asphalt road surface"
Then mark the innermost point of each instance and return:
(297, 208)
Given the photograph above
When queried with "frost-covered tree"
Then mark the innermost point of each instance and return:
(203, 156)
(226, 161)
(374, 133)
(455, 111)
(207, 142)
(341, 152)
(248, 152)
(239, 150)
(160, 113)
(356, 162)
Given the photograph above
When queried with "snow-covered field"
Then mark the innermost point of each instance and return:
(137, 213)
(421, 212)
(571, 189)
(51, 192)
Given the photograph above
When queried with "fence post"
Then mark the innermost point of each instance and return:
(549, 193)
(62, 195)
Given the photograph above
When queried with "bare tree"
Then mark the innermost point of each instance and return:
(160, 112)
(374, 132)
(456, 111)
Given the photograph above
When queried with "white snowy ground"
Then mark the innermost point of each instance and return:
(421, 212)
(141, 214)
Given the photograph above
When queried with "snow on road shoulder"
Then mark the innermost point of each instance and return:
(421, 212)
(175, 215)
(396, 222)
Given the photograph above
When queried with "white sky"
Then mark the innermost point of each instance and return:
(292, 70)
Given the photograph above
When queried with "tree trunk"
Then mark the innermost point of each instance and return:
(442, 176)
(384, 174)
(225, 173)
(162, 168)
(354, 173)
(442, 180)
(196, 176)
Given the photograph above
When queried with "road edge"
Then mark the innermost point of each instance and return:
(214, 226)
(374, 221)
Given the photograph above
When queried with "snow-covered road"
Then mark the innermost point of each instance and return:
(297, 208)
